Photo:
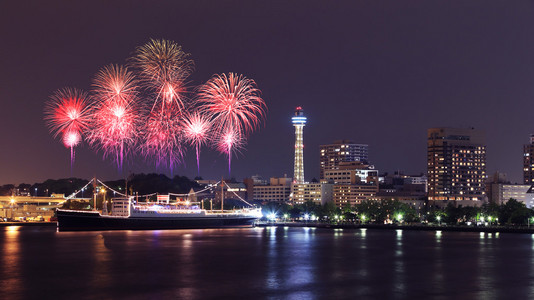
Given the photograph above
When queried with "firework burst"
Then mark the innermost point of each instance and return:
(229, 142)
(197, 132)
(68, 115)
(116, 120)
(233, 101)
(236, 109)
(163, 137)
(164, 68)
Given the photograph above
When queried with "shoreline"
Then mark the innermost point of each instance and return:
(47, 224)
(457, 228)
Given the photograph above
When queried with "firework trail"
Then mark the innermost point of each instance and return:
(163, 137)
(116, 117)
(229, 142)
(163, 69)
(235, 106)
(197, 132)
(68, 115)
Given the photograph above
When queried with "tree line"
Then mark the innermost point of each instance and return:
(512, 212)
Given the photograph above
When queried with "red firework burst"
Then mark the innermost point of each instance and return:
(197, 132)
(233, 101)
(163, 137)
(164, 68)
(116, 120)
(68, 114)
(230, 142)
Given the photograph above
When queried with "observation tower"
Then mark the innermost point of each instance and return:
(299, 121)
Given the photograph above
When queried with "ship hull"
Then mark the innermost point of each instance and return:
(86, 221)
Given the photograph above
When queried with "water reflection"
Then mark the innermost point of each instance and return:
(268, 263)
(11, 278)
(399, 268)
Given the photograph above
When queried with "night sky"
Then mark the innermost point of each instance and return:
(375, 72)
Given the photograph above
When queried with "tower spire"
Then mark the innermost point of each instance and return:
(299, 121)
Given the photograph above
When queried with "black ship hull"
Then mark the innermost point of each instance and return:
(86, 221)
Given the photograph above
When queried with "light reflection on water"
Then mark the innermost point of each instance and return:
(10, 279)
(267, 263)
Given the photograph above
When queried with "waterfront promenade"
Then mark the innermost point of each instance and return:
(419, 227)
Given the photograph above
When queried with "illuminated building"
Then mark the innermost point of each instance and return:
(279, 190)
(502, 192)
(528, 162)
(353, 182)
(318, 193)
(456, 160)
(341, 151)
(232, 190)
(299, 121)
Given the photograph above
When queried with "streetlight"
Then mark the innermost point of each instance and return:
(362, 218)
(399, 217)
(439, 220)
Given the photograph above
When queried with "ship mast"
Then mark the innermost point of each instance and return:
(222, 194)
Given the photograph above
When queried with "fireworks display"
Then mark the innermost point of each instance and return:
(148, 109)
(236, 108)
(163, 138)
(163, 69)
(68, 115)
(197, 132)
(115, 123)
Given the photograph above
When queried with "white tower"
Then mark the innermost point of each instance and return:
(299, 121)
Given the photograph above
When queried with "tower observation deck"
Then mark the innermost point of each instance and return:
(299, 121)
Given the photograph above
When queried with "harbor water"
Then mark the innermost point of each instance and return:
(264, 263)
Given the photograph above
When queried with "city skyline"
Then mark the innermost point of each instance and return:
(371, 73)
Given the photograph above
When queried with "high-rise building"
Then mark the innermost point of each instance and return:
(299, 121)
(341, 151)
(456, 166)
(528, 161)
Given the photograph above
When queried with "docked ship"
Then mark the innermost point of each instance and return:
(127, 214)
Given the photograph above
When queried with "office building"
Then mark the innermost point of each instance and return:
(341, 151)
(318, 193)
(456, 160)
(528, 161)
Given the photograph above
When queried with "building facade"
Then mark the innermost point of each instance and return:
(502, 192)
(278, 190)
(353, 182)
(528, 161)
(318, 193)
(456, 160)
(332, 155)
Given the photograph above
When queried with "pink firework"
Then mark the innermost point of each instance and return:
(116, 121)
(234, 104)
(163, 137)
(68, 114)
(229, 142)
(197, 132)
(233, 101)
(164, 68)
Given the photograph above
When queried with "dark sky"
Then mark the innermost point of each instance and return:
(375, 72)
